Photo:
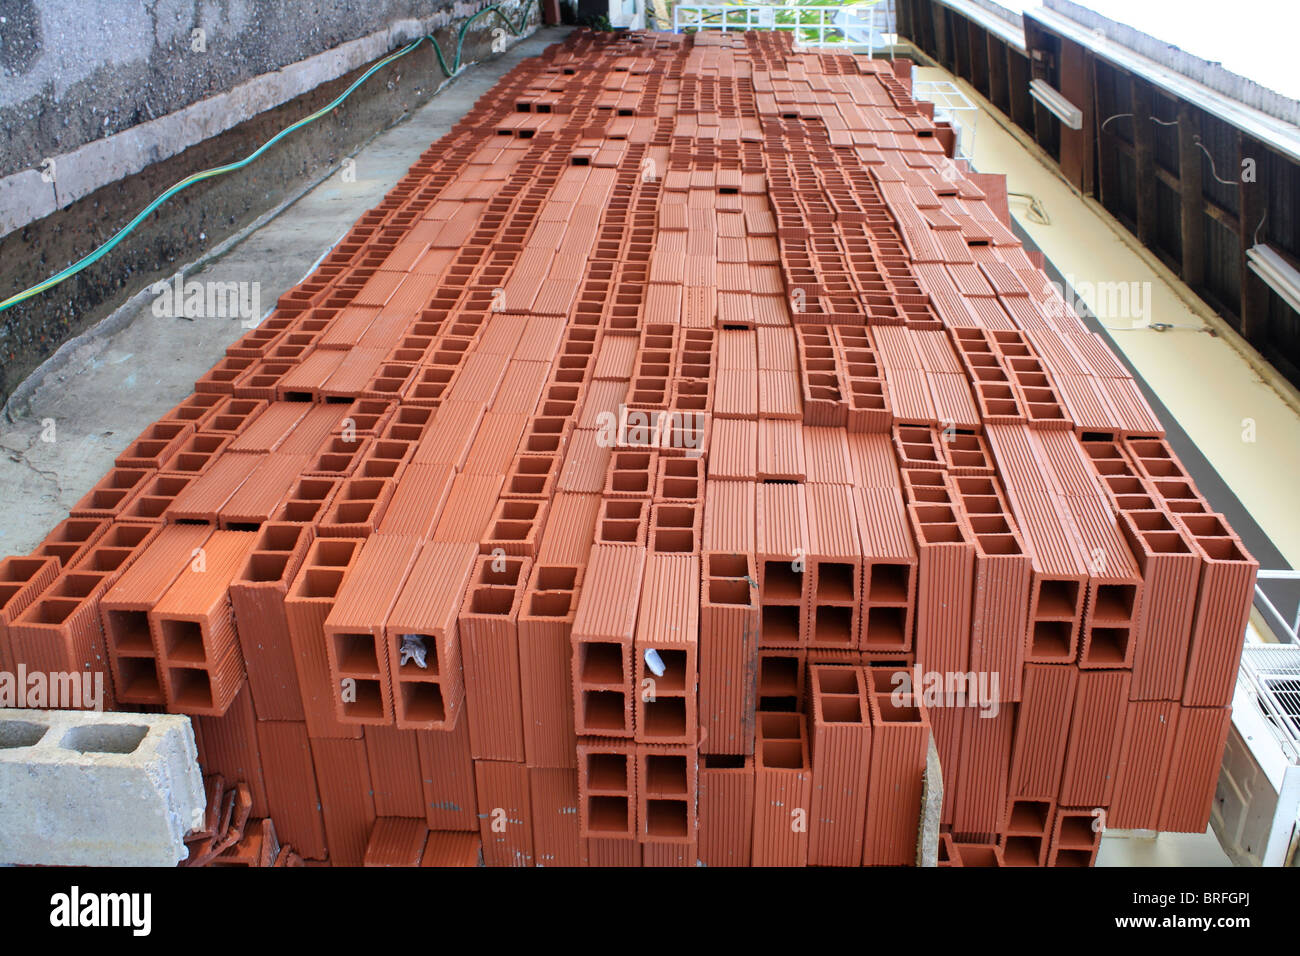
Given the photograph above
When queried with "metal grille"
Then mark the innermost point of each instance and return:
(1274, 674)
(950, 104)
(1278, 587)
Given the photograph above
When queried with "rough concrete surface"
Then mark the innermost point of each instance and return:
(927, 847)
(81, 417)
(82, 788)
(78, 70)
(196, 221)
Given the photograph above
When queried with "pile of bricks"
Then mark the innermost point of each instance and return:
(680, 447)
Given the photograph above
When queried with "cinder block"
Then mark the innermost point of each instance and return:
(94, 789)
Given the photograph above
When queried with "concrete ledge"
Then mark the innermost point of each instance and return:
(80, 788)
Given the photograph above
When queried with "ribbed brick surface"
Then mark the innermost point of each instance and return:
(685, 376)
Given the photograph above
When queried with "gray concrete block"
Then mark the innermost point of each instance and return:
(79, 788)
(927, 846)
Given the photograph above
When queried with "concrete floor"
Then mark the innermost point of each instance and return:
(115, 385)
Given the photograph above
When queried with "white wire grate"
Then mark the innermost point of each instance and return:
(1274, 674)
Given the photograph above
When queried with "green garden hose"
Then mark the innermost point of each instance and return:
(126, 230)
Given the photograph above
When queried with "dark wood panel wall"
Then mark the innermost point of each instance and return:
(1195, 190)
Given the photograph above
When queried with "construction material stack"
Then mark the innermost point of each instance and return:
(680, 447)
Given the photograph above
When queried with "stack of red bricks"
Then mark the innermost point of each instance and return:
(683, 444)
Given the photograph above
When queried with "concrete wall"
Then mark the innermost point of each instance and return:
(75, 71)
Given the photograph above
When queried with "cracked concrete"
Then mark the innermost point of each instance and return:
(116, 384)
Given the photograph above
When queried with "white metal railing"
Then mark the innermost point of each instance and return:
(1272, 616)
(950, 104)
(855, 24)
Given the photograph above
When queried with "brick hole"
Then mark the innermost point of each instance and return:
(604, 710)
(727, 565)
(729, 592)
(1057, 599)
(601, 663)
(139, 677)
(665, 717)
(104, 738)
(999, 544)
(667, 818)
(182, 641)
(674, 541)
(977, 856)
(781, 581)
(1137, 503)
(369, 701)
(986, 523)
(885, 625)
(430, 668)
(1166, 542)
(355, 654)
(492, 600)
(422, 701)
(607, 771)
(279, 538)
(630, 481)
(191, 688)
(263, 567)
(1114, 602)
(1022, 850)
(353, 512)
(1108, 645)
(674, 676)
(778, 676)
(1151, 521)
(550, 605)
(320, 583)
(1051, 638)
(608, 814)
(129, 631)
(977, 505)
(20, 733)
(780, 623)
(836, 581)
(723, 761)
(1029, 816)
(1076, 832)
(833, 624)
(1073, 858)
(666, 774)
(507, 576)
(893, 713)
(787, 754)
(842, 710)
